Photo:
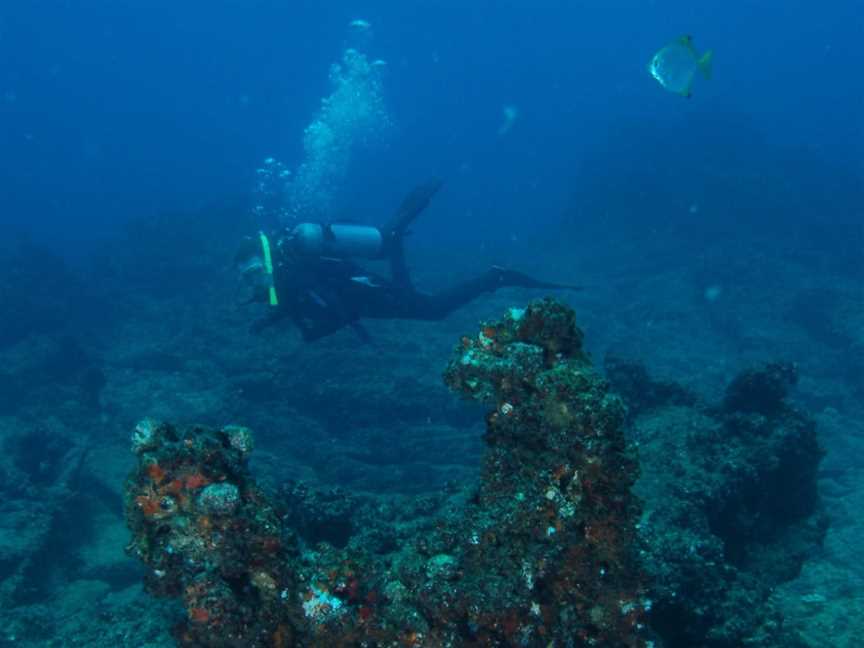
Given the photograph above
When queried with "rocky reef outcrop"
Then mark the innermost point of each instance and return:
(40, 475)
(551, 546)
(731, 508)
(541, 552)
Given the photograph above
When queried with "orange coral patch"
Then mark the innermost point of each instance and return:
(175, 486)
(149, 506)
(196, 481)
(199, 615)
(155, 472)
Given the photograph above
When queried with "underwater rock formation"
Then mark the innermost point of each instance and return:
(40, 474)
(761, 390)
(640, 391)
(731, 507)
(541, 554)
(45, 369)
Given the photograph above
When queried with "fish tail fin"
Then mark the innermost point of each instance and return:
(706, 63)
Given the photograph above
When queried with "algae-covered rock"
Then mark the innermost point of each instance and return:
(731, 509)
(542, 552)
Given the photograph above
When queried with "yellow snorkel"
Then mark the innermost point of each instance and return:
(268, 268)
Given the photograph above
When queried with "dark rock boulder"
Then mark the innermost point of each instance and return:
(731, 510)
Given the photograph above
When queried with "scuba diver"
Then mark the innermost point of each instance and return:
(307, 274)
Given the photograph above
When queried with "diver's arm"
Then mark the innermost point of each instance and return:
(273, 317)
(362, 333)
(307, 332)
(315, 330)
(310, 330)
(314, 333)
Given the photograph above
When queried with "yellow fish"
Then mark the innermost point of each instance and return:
(675, 66)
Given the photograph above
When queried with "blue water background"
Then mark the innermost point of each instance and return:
(117, 110)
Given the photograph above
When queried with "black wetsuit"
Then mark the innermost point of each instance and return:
(324, 294)
(327, 294)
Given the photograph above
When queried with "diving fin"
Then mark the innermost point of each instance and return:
(413, 204)
(508, 277)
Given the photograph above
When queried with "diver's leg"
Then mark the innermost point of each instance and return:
(433, 307)
(394, 232)
(399, 272)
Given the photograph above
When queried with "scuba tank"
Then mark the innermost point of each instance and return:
(339, 240)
